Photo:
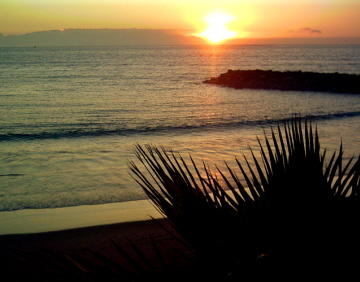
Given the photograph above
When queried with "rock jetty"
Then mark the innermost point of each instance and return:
(289, 81)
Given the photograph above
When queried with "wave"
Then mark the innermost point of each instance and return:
(166, 129)
(71, 199)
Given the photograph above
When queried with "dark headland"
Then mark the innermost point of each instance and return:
(289, 81)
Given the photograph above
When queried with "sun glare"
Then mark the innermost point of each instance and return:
(217, 30)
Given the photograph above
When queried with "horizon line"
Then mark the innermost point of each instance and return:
(176, 29)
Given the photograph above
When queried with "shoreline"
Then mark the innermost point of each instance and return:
(29, 221)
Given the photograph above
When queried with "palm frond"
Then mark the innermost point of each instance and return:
(290, 189)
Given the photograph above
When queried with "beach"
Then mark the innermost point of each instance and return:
(179, 141)
(45, 220)
(25, 257)
(75, 114)
(75, 230)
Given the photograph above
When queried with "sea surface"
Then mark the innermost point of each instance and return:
(70, 116)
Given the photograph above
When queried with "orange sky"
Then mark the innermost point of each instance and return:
(250, 18)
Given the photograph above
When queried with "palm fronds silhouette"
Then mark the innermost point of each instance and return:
(292, 202)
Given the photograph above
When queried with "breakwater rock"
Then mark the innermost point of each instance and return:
(289, 81)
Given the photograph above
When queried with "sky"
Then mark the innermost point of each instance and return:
(247, 18)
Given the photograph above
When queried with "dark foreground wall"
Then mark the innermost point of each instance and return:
(289, 81)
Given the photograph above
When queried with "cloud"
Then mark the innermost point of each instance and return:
(307, 30)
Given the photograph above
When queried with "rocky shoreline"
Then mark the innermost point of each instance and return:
(289, 81)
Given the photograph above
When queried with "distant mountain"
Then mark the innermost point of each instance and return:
(90, 37)
(295, 41)
(96, 37)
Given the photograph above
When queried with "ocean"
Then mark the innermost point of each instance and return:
(70, 116)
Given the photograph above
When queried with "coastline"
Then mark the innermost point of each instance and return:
(46, 220)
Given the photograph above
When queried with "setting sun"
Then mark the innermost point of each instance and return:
(217, 30)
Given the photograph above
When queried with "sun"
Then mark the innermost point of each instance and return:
(217, 30)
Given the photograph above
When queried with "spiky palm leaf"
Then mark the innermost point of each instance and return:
(292, 200)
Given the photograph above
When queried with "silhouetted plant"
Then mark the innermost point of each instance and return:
(293, 203)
